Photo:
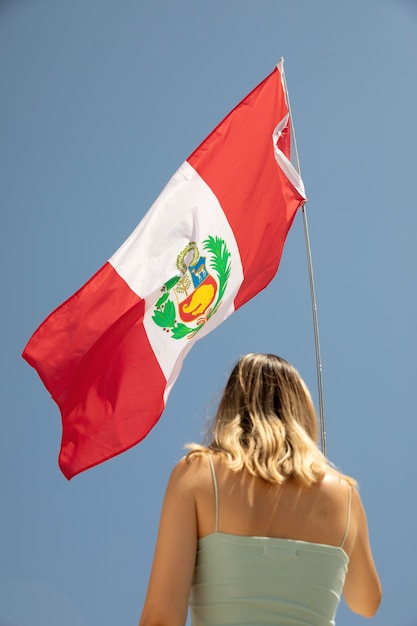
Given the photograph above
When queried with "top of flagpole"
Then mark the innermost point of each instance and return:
(280, 66)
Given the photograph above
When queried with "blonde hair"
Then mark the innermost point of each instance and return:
(266, 423)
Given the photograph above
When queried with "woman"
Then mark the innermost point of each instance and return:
(257, 527)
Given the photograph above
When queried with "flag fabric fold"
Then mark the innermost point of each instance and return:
(110, 354)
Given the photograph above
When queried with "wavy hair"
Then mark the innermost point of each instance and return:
(266, 423)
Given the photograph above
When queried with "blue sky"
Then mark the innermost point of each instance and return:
(101, 102)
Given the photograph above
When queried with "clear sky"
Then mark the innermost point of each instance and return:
(101, 101)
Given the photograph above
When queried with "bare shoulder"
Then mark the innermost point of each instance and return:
(334, 494)
(335, 487)
(339, 487)
(190, 472)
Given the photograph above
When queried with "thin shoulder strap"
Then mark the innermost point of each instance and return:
(348, 516)
(216, 492)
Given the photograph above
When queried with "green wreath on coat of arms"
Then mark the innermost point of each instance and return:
(196, 293)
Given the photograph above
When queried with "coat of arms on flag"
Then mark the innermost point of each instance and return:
(195, 294)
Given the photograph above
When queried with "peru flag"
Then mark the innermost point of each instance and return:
(213, 239)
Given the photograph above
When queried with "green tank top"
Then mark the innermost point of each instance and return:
(251, 581)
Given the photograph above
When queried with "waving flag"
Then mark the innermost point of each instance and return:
(213, 239)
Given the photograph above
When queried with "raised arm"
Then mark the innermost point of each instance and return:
(362, 590)
(172, 571)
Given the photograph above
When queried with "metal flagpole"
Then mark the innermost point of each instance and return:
(312, 290)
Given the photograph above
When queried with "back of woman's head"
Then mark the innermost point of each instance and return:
(266, 422)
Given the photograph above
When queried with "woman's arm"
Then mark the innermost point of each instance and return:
(166, 601)
(362, 590)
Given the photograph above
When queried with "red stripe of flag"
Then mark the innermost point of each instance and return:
(94, 357)
(243, 154)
